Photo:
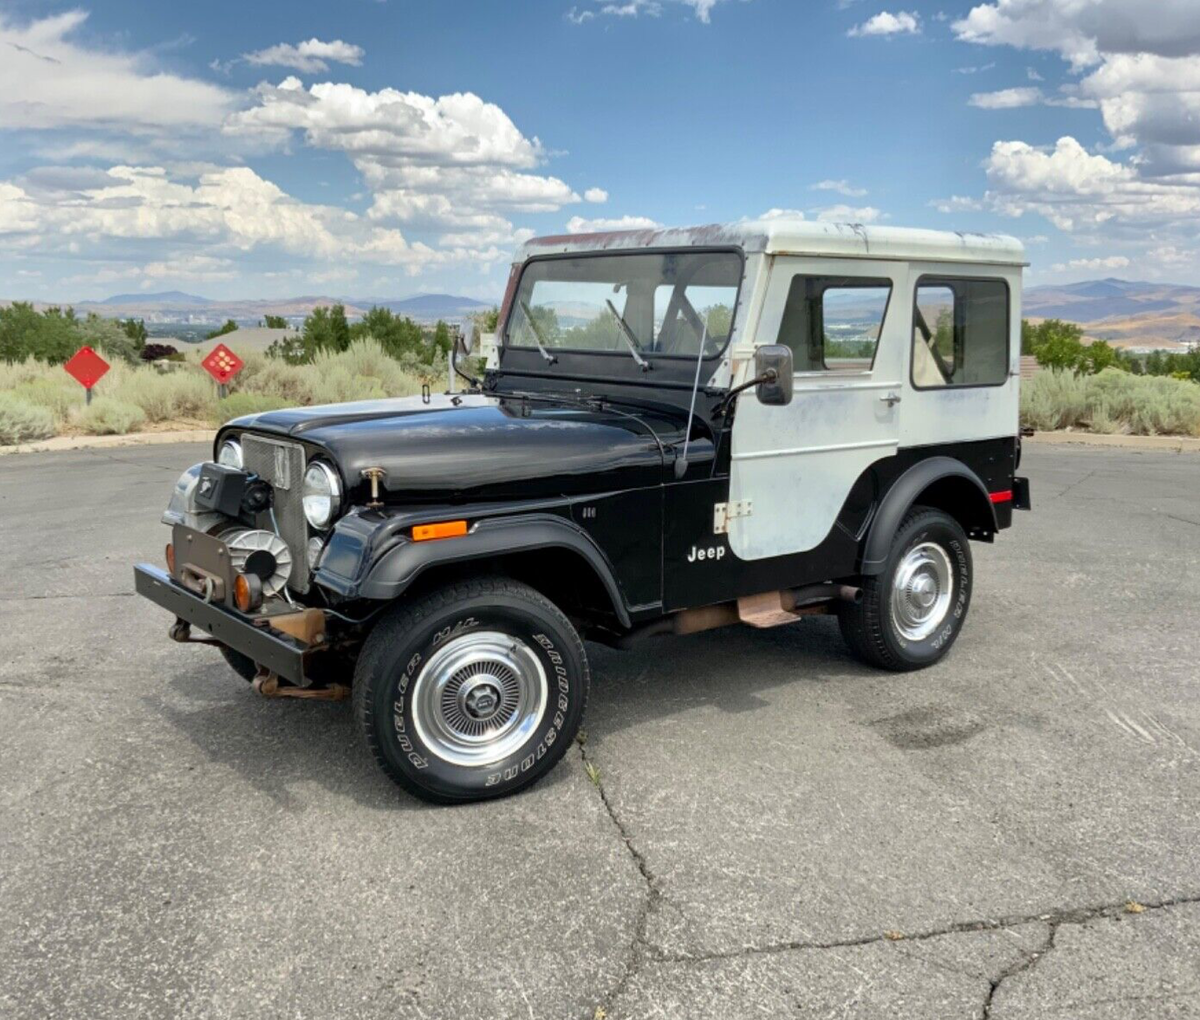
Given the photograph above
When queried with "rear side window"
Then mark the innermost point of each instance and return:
(960, 333)
(832, 323)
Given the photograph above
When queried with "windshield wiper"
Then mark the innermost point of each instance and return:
(631, 341)
(538, 339)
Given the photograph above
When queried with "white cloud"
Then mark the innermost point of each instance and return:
(1111, 262)
(842, 187)
(956, 203)
(1078, 191)
(307, 57)
(977, 69)
(230, 211)
(595, 195)
(1006, 99)
(454, 162)
(1139, 65)
(886, 23)
(702, 9)
(843, 213)
(49, 81)
(781, 214)
(578, 225)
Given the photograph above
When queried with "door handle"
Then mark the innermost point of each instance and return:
(891, 399)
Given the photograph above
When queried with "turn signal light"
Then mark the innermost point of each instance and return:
(443, 529)
(170, 557)
(247, 592)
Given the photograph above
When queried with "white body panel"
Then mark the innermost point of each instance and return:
(951, 414)
(798, 463)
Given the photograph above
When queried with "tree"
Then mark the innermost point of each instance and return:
(229, 327)
(1057, 344)
(326, 329)
(135, 329)
(442, 342)
(396, 334)
(275, 322)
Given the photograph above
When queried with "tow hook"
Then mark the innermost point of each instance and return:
(181, 631)
(267, 684)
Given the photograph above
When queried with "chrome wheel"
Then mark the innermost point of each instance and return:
(479, 698)
(922, 589)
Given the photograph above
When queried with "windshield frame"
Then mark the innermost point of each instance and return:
(649, 355)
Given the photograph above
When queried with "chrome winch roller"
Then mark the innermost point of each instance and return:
(259, 552)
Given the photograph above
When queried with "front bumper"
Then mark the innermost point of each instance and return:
(279, 653)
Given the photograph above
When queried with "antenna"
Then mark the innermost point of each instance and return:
(681, 462)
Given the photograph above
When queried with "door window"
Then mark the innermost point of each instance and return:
(960, 333)
(832, 323)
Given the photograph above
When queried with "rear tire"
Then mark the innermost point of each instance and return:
(471, 692)
(912, 612)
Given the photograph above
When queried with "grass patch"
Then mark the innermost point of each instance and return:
(41, 400)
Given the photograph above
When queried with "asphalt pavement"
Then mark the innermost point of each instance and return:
(773, 829)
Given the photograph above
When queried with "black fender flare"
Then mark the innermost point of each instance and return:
(400, 565)
(900, 499)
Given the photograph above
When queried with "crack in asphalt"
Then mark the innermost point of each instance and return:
(1020, 967)
(1054, 918)
(640, 945)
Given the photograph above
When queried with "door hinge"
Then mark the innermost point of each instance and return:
(723, 513)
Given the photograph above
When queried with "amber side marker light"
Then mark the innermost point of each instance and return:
(170, 557)
(247, 592)
(443, 529)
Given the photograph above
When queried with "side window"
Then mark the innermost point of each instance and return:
(960, 333)
(832, 323)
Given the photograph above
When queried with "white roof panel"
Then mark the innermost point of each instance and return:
(794, 236)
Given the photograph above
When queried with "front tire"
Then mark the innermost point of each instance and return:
(912, 612)
(242, 665)
(472, 692)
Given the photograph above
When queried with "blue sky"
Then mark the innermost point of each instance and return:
(389, 148)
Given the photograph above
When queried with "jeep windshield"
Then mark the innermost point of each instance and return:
(648, 305)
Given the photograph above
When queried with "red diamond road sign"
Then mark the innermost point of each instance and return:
(222, 364)
(87, 367)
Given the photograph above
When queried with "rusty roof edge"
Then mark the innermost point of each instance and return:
(797, 236)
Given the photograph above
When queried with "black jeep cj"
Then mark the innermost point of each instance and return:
(677, 430)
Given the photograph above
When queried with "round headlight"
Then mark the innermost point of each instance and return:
(322, 494)
(230, 454)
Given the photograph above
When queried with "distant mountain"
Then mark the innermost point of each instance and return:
(1125, 313)
(429, 306)
(164, 298)
(1093, 300)
(179, 307)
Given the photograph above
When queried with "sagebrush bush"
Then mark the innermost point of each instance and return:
(168, 396)
(1111, 401)
(22, 421)
(106, 416)
(238, 404)
(60, 396)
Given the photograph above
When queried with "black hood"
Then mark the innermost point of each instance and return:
(482, 447)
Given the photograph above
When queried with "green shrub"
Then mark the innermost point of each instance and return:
(238, 404)
(1053, 399)
(22, 421)
(168, 396)
(1111, 401)
(60, 396)
(106, 416)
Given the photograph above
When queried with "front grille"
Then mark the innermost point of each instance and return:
(282, 464)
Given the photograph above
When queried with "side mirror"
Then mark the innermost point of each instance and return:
(773, 367)
(467, 337)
